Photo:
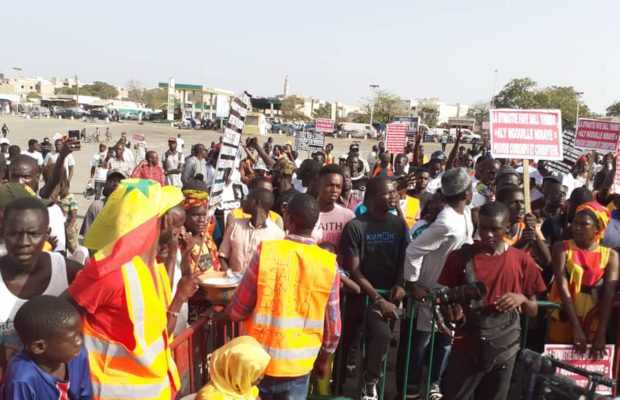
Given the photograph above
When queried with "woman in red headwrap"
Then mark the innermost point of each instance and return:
(204, 251)
(586, 275)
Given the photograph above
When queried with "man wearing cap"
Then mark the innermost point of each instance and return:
(129, 312)
(173, 163)
(282, 180)
(424, 262)
(354, 150)
(196, 166)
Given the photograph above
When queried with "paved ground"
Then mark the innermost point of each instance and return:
(21, 130)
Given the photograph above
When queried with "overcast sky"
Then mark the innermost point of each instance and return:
(330, 49)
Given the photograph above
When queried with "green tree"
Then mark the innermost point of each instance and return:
(480, 113)
(386, 105)
(155, 98)
(99, 89)
(66, 90)
(613, 110)
(518, 93)
(323, 111)
(33, 95)
(291, 108)
(429, 116)
(135, 91)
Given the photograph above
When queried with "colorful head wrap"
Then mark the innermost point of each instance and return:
(599, 213)
(195, 198)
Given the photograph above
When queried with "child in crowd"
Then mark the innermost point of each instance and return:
(53, 363)
(235, 369)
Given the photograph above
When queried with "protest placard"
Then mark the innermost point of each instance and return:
(597, 135)
(570, 153)
(309, 141)
(566, 353)
(617, 177)
(395, 137)
(526, 134)
(137, 137)
(324, 125)
(230, 145)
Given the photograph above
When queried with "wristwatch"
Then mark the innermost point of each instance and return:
(377, 300)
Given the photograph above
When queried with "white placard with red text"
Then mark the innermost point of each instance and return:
(597, 135)
(526, 134)
(395, 137)
(617, 177)
(324, 125)
(566, 354)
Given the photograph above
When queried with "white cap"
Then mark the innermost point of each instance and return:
(56, 137)
(4, 141)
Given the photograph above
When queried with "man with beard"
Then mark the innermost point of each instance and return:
(129, 312)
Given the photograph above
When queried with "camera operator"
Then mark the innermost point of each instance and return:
(483, 355)
(424, 260)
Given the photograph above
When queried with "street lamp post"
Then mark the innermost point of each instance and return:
(373, 87)
(77, 93)
(578, 95)
(16, 69)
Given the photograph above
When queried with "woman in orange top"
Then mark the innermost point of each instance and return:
(586, 273)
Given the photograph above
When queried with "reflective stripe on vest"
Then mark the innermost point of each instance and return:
(142, 369)
(293, 287)
(147, 392)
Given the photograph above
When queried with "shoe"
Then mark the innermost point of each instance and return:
(369, 389)
(435, 393)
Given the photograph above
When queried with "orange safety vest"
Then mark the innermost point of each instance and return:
(294, 284)
(146, 371)
(238, 213)
(412, 207)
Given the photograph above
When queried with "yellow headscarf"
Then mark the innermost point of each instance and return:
(234, 368)
(600, 214)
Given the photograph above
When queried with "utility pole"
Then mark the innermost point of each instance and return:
(373, 87)
(77, 93)
(578, 96)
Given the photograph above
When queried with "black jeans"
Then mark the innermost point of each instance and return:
(377, 335)
(98, 189)
(465, 378)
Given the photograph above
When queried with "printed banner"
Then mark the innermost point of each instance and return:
(617, 177)
(526, 134)
(395, 137)
(566, 354)
(230, 146)
(571, 154)
(324, 125)
(597, 135)
(309, 141)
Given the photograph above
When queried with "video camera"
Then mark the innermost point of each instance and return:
(444, 297)
(459, 295)
(544, 383)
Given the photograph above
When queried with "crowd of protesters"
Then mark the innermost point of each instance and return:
(91, 312)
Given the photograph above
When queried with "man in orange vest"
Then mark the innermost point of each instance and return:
(125, 294)
(289, 301)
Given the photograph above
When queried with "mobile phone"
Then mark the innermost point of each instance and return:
(74, 135)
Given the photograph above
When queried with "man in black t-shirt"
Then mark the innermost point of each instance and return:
(372, 249)
(282, 180)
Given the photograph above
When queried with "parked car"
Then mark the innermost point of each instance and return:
(286, 128)
(468, 136)
(357, 130)
(71, 112)
(99, 114)
(131, 116)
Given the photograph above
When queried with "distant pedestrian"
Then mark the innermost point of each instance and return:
(444, 142)
(5, 130)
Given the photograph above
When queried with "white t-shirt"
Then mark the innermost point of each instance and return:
(128, 157)
(101, 172)
(11, 304)
(36, 155)
(52, 157)
(57, 226)
(434, 184)
(180, 145)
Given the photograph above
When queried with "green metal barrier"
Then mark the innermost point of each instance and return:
(542, 305)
